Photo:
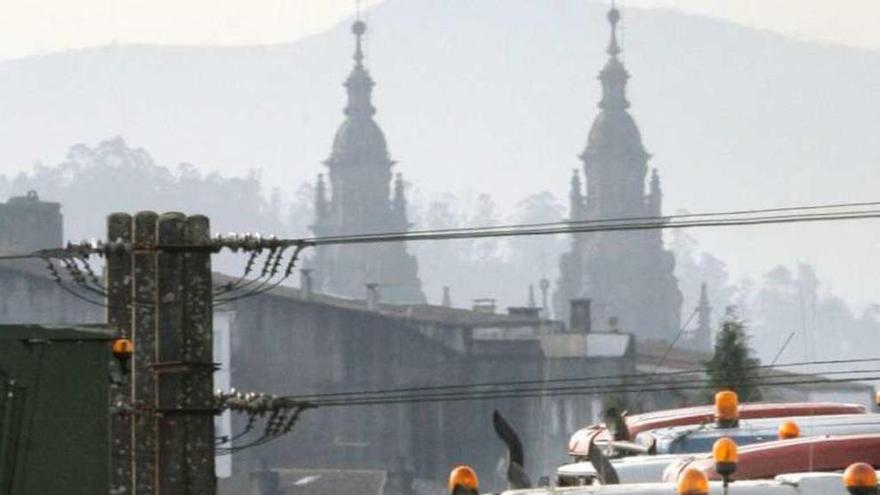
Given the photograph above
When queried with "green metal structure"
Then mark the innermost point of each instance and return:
(55, 409)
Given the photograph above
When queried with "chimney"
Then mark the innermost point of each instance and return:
(373, 297)
(613, 325)
(484, 305)
(545, 288)
(305, 283)
(447, 297)
(580, 316)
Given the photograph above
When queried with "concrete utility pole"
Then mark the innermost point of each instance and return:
(119, 314)
(169, 449)
(143, 394)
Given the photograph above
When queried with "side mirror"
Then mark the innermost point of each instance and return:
(616, 425)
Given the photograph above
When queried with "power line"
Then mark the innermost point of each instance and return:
(250, 243)
(589, 227)
(675, 341)
(280, 423)
(272, 275)
(775, 358)
(654, 219)
(585, 379)
(568, 390)
(682, 385)
(276, 432)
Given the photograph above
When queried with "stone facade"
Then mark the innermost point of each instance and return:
(360, 201)
(28, 224)
(629, 275)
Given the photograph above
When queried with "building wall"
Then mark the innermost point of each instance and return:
(566, 414)
(285, 345)
(290, 345)
(28, 224)
(28, 295)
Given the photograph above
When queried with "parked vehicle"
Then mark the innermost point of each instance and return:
(683, 443)
(809, 476)
(579, 444)
(789, 456)
(699, 438)
(789, 484)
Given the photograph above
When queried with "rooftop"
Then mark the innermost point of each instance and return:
(420, 312)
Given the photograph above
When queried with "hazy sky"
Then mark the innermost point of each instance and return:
(30, 27)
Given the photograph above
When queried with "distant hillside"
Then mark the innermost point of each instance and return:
(497, 96)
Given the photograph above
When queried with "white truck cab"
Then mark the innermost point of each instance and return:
(788, 484)
(638, 469)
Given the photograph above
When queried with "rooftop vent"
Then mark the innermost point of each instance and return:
(484, 306)
(580, 319)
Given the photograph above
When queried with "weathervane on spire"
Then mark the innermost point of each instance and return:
(359, 83)
(358, 28)
(613, 19)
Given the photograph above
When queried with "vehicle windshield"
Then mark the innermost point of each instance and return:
(703, 443)
(687, 440)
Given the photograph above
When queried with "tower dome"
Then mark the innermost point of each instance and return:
(615, 133)
(359, 137)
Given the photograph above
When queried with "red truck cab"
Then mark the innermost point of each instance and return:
(809, 454)
(579, 443)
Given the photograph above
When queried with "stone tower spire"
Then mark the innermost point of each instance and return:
(614, 158)
(362, 201)
(613, 75)
(702, 336)
(532, 302)
(627, 275)
(359, 83)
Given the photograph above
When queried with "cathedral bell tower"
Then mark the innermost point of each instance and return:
(361, 200)
(627, 275)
